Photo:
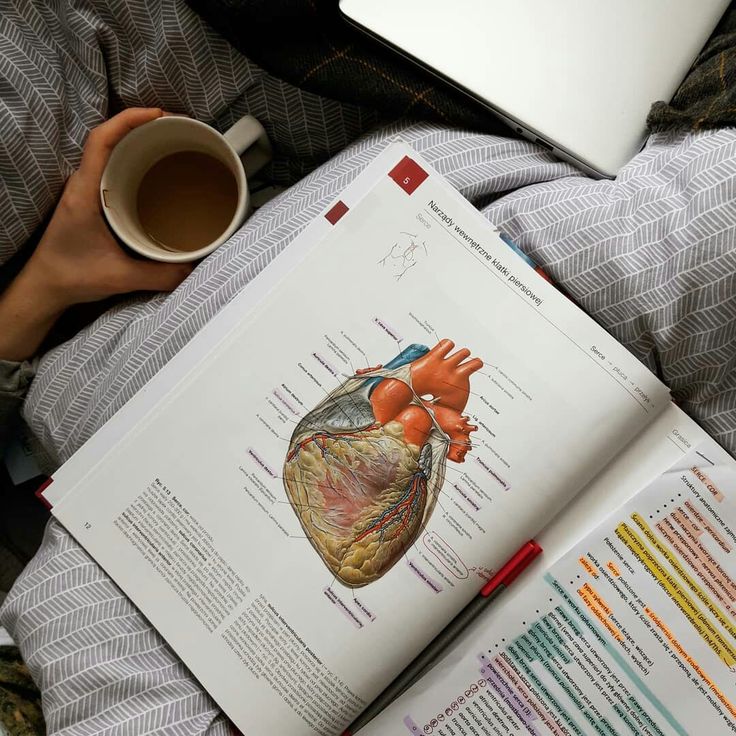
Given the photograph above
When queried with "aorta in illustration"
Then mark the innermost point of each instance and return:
(365, 466)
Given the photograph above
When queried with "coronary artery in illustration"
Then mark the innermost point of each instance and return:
(365, 466)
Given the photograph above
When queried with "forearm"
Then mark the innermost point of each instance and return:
(28, 310)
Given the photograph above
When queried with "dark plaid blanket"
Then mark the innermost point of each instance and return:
(707, 96)
(308, 43)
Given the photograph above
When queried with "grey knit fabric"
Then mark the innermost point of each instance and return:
(65, 67)
(651, 256)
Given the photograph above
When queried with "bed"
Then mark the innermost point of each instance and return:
(651, 256)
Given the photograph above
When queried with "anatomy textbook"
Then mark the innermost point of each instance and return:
(337, 463)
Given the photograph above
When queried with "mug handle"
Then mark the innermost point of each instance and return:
(251, 143)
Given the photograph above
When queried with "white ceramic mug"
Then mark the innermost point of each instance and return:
(144, 146)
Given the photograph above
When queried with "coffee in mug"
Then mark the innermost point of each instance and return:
(174, 189)
(186, 200)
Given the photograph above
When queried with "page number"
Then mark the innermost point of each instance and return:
(87, 525)
(408, 174)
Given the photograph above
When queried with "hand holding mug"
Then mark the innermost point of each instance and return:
(78, 259)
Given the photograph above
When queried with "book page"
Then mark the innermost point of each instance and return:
(206, 341)
(632, 631)
(343, 471)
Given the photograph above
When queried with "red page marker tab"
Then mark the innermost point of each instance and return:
(408, 174)
(41, 489)
(336, 212)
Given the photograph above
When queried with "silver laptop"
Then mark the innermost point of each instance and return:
(578, 76)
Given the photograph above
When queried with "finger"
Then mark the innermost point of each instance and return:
(458, 357)
(470, 367)
(150, 276)
(106, 136)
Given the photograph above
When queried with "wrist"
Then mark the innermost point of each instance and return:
(36, 284)
(29, 307)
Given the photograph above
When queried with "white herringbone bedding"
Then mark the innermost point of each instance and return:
(651, 256)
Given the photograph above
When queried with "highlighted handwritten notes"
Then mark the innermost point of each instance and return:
(685, 657)
(696, 617)
(588, 567)
(680, 570)
(710, 486)
(692, 530)
(600, 609)
(512, 698)
(679, 534)
(719, 540)
(533, 709)
(631, 633)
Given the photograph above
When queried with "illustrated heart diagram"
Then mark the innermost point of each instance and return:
(365, 466)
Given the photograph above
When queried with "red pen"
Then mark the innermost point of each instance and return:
(513, 568)
(424, 662)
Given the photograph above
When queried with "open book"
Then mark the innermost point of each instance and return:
(332, 468)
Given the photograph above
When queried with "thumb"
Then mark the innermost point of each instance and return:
(150, 276)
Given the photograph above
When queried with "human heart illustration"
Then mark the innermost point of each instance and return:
(365, 466)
